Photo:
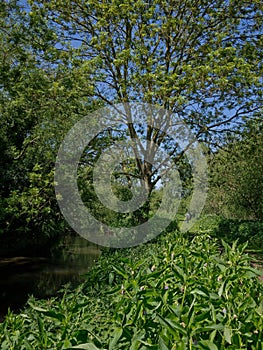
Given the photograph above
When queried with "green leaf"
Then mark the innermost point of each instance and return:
(111, 278)
(199, 292)
(208, 345)
(254, 272)
(53, 314)
(203, 316)
(86, 346)
(40, 325)
(173, 327)
(120, 271)
(37, 308)
(50, 313)
(116, 337)
(136, 340)
(226, 246)
(218, 327)
(212, 335)
(162, 345)
(179, 272)
(221, 289)
(228, 334)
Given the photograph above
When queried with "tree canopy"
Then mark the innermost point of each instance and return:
(201, 60)
(38, 105)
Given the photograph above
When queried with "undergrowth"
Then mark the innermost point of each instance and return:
(179, 292)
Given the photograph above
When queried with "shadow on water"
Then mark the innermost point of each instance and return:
(43, 277)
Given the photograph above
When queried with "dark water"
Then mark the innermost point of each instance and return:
(43, 277)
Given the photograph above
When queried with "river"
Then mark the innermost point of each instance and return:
(42, 277)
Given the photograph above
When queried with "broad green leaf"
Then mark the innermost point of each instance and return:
(174, 327)
(228, 334)
(162, 345)
(199, 292)
(136, 340)
(179, 272)
(116, 336)
(218, 327)
(208, 345)
(54, 314)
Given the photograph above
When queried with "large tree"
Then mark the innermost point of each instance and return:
(201, 60)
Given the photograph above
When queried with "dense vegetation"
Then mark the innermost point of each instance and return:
(236, 182)
(59, 61)
(200, 60)
(181, 292)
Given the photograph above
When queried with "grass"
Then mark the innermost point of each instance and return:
(180, 292)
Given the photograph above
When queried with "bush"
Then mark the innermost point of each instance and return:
(243, 230)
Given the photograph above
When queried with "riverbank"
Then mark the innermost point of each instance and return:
(188, 290)
(42, 277)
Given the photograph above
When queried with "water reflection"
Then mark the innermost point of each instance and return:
(43, 277)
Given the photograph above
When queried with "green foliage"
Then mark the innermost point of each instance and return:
(202, 61)
(60, 60)
(230, 230)
(177, 293)
(189, 296)
(244, 231)
(236, 186)
(161, 52)
(39, 103)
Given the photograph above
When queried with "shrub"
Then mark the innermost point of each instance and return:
(243, 230)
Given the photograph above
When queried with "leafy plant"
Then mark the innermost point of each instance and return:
(180, 292)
